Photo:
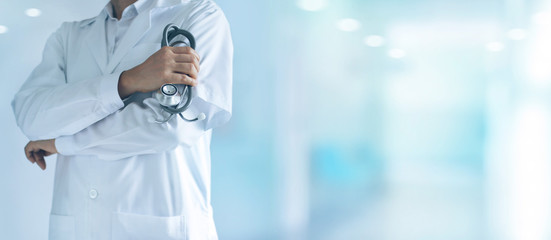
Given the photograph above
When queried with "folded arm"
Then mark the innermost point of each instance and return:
(129, 132)
(133, 131)
(47, 106)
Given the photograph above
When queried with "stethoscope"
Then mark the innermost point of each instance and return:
(168, 96)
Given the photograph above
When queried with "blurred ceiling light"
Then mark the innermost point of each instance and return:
(542, 18)
(3, 29)
(312, 5)
(495, 46)
(517, 34)
(348, 25)
(33, 12)
(374, 41)
(396, 53)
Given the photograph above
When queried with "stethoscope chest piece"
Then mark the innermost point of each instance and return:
(168, 95)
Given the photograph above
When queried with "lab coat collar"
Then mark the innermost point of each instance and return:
(95, 41)
(141, 6)
(168, 3)
(135, 8)
(137, 29)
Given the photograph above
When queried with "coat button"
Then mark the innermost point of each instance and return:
(93, 194)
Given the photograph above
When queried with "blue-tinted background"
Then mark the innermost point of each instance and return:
(353, 119)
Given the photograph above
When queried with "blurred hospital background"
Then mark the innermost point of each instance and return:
(352, 120)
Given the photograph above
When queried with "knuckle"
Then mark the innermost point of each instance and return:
(183, 79)
(169, 63)
(166, 56)
(162, 51)
(167, 53)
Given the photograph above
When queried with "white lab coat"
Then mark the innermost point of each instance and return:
(119, 174)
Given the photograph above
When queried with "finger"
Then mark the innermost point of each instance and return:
(185, 58)
(29, 155)
(177, 78)
(33, 158)
(186, 68)
(40, 160)
(190, 81)
(188, 58)
(185, 50)
(181, 50)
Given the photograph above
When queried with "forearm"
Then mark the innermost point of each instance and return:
(51, 111)
(124, 86)
(129, 132)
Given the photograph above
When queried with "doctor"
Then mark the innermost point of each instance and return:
(120, 174)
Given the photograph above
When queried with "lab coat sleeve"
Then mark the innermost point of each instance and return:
(133, 131)
(47, 106)
(215, 47)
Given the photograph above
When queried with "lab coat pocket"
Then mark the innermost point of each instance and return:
(61, 227)
(135, 227)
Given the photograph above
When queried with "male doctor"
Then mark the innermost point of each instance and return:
(120, 174)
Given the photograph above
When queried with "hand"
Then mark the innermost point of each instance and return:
(37, 150)
(178, 65)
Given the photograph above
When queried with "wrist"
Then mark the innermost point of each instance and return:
(47, 145)
(125, 85)
(52, 146)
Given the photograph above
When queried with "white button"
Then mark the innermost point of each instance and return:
(93, 194)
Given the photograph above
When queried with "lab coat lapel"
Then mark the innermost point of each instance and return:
(137, 29)
(96, 42)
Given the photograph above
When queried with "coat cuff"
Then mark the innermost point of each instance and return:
(65, 146)
(109, 97)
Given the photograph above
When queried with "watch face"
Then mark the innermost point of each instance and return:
(169, 89)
